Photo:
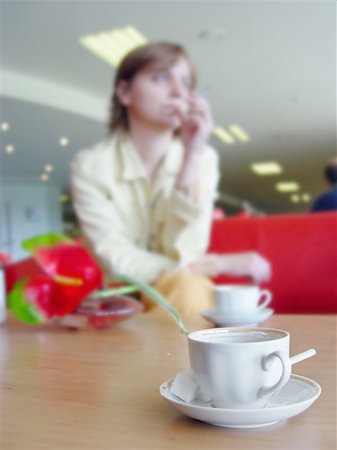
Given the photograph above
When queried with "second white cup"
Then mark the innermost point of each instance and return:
(237, 300)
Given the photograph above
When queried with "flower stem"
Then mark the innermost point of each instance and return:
(115, 291)
(155, 296)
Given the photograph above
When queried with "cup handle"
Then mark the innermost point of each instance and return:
(267, 299)
(286, 371)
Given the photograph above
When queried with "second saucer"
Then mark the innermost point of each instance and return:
(224, 320)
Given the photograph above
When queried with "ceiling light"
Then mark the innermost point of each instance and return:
(266, 168)
(48, 168)
(44, 177)
(306, 197)
(64, 141)
(239, 133)
(223, 135)
(9, 148)
(295, 198)
(113, 45)
(287, 186)
(4, 126)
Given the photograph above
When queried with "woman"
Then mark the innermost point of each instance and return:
(144, 196)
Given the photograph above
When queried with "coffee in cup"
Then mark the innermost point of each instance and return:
(240, 368)
(234, 300)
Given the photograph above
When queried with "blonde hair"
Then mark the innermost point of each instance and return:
(133, 62)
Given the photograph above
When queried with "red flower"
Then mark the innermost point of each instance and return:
(71, 274)
(74, 271)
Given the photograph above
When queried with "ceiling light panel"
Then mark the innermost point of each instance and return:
(295, 198)
(234, 134)
(306, 197)
(266, 168)
(10, 148)
(4, 126)
(223, 135)
(49, 168)
(239, 133)
(64, 141)
(113, 45)
(287, 186)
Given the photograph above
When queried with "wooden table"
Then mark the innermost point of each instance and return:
(99, 389)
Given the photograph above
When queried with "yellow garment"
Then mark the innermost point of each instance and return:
(134, 228)
(187, 292)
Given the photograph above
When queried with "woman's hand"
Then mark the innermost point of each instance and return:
(250, 264)
(195, 130)
(196, 125)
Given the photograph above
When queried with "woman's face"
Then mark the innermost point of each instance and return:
(158, 95)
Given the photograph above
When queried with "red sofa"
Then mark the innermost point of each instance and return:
(302, 249)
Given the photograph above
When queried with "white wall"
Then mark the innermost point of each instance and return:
(27, 209)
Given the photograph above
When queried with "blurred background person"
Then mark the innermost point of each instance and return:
(328, 200)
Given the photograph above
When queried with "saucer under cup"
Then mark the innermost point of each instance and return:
(294, 398)
(224, 320)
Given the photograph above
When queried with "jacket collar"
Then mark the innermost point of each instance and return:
(132, 167)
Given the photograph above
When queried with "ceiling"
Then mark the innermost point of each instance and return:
(273, 71)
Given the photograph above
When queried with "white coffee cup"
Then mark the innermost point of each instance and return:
(240, 368)
(241, 299)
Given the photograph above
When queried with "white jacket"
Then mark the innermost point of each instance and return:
(134, 228)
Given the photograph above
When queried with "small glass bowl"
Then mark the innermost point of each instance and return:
(101, 313)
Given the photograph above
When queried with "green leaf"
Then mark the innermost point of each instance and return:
(20, 306)
(155, 296)
(33, 244)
